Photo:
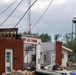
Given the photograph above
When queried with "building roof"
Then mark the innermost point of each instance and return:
(47, 46)
(67, 49)
(9, 33)
(51, 46)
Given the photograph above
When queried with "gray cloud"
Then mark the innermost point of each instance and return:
(57, 19)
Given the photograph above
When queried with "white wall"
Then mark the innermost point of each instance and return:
(65, 59)
(47, 48)
(53, 59)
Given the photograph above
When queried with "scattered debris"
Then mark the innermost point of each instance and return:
(19, 72)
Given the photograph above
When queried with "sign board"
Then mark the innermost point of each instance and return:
(30, 40)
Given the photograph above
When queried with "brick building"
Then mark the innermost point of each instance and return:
(11, 50)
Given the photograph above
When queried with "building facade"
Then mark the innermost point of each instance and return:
(11, 51)
(54, 53)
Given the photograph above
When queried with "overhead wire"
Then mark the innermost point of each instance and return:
(11, 13)
(7, 7)
(25, 13)
(42, 15)
(19, 20)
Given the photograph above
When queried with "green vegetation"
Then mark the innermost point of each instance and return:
(45, 37)
(68, 40)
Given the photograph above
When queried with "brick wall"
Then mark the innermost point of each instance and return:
(17, 47)
(58, 53)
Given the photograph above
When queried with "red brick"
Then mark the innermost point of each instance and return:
(17, 47)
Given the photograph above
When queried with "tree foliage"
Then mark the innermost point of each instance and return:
(70, 42)
(45, 37)
(56, 37)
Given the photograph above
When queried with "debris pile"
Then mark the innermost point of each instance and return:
(19, 72)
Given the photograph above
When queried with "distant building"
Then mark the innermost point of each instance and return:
(12, 48)
(52, 53)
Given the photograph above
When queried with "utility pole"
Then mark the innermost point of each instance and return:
(29, 18)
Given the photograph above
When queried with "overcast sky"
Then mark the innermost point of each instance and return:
(57, 19)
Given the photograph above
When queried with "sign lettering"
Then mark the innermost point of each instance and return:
(29, 40)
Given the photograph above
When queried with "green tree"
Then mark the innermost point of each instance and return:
(45, 37)
(56, 37)
(70, 42)
(68, 37)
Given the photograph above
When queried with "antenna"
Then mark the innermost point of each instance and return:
(29, 18)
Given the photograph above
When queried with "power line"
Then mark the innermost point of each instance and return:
(25, 13)
(7, 7)
(42, 15)
(19, 20)
(11, 13)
